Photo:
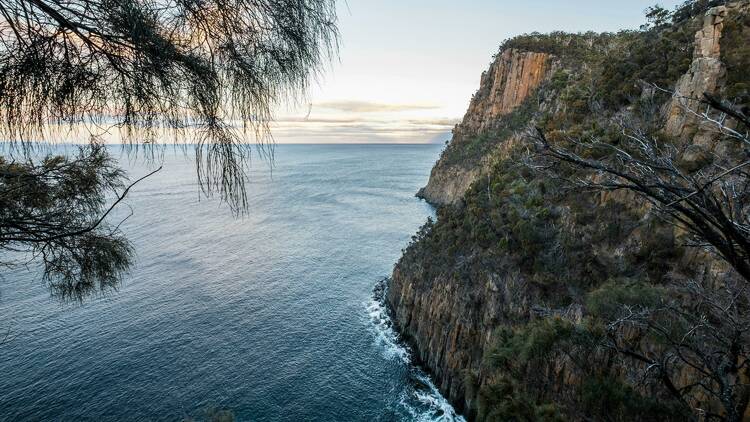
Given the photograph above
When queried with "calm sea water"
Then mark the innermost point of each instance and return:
(271, 316)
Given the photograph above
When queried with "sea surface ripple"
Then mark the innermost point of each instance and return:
(270, 315)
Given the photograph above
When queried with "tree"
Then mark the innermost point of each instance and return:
(57, 210)
(698, 349)
(701, 192)
(206, 71)
(657, 17)
(695, 342)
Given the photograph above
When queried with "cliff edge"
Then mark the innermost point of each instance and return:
(511, 79)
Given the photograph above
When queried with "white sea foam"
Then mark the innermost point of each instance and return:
(423, 403)
(439, 409)
(385, 335)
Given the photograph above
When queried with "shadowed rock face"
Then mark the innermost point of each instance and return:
(449, 324)
(512, 77)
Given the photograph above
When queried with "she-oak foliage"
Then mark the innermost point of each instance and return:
(208, 72)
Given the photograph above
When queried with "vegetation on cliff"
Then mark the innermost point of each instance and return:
(620, 315)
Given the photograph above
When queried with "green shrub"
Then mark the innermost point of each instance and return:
(606, 398)
(507, 400)
(608, 300)
(535, 340)
(735, 53)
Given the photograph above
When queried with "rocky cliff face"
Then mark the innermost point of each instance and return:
(450, 324)
(512, 77)
(448, 183)
(509, 81)
(706, 75)
(451, 317)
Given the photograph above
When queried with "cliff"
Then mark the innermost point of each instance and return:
(706, 75)
(512, 77)
(515, 257)
(510, 80)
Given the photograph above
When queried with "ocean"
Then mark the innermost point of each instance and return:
(274, 315)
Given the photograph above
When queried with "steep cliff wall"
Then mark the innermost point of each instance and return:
(450, 323)
(511, 79)
(517, 247)
(706, 74)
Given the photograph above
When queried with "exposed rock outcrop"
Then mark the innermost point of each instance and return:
(450, 324)
(510, 80)
(512, 77)
(447, 184)
(705, 76)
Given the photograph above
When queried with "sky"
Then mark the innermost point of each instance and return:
(406, 69)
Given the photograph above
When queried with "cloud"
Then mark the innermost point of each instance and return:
(363, 122)
(436, 122)
(316, 120)
(360, 132)
(371, 107)
(291, 120)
